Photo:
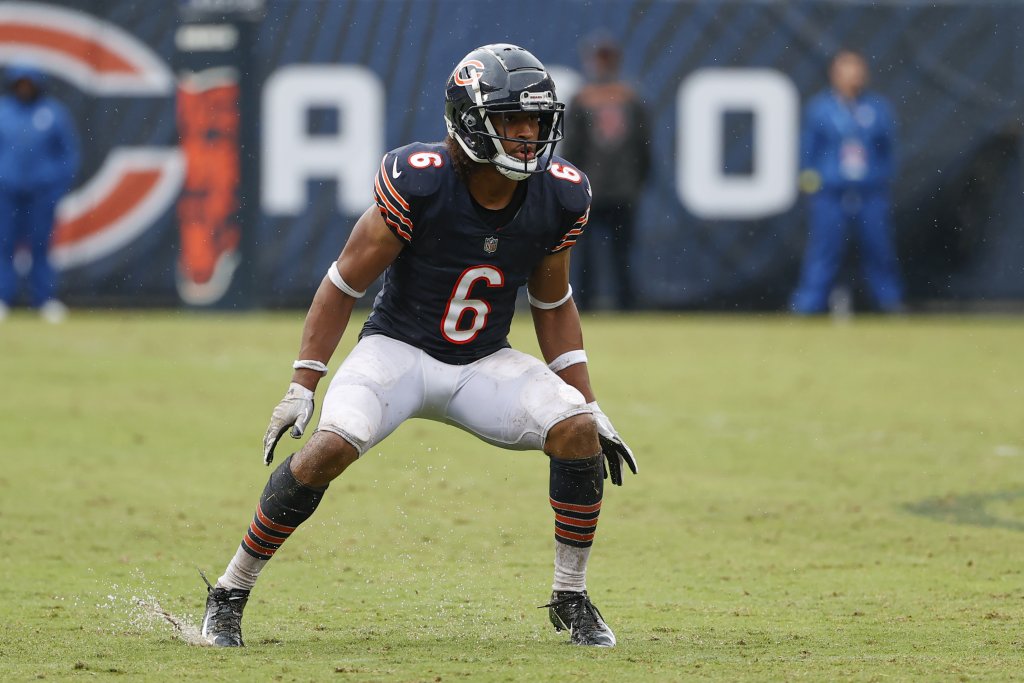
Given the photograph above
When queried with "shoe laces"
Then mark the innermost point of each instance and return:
(580, 607)
(228, 603)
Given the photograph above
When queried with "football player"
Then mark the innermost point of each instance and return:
(456, 229)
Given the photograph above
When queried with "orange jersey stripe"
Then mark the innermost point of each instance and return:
(398, 196)
(381, 197)
(568, 238)
(386, 198)
(387, 212)
(398, 228)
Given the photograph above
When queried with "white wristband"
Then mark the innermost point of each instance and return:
(310, 365)
(568, 358)
(340, 283)
(543, 305)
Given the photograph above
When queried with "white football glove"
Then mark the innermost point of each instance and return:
(293, 411)
(615, 450)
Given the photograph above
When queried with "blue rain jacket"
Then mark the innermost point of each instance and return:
(849, 144)
(38, 143)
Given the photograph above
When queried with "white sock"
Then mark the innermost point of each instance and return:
(242, 571)
(570, 567)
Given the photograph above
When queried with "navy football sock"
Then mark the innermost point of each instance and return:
(285, 504)
(575, 490)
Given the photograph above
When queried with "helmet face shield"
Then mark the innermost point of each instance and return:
(539, 150)
(494, 82)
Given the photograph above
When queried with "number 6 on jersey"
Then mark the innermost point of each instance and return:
(460, 303)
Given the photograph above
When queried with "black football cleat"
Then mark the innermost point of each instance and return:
(574, 612)
(222, 623)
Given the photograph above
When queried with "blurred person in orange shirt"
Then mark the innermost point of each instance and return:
(606, 135)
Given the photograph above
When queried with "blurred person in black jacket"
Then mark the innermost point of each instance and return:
(606, 137)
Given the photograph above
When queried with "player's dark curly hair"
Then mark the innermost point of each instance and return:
(463, 165)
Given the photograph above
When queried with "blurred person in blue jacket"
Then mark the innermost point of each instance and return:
(847, 148)
(39, 157)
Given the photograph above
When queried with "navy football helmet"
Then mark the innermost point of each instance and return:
(497, 79)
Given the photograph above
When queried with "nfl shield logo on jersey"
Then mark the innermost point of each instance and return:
(490, 244)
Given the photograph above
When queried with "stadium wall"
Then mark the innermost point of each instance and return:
(229, 145)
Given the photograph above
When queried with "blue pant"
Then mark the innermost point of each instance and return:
(609, 230)
(27, 217)
(833, 213)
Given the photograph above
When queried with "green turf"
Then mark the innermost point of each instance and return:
(815, 502)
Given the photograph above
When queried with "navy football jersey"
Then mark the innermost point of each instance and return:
(452, 290)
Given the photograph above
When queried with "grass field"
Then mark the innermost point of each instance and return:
(815, 502)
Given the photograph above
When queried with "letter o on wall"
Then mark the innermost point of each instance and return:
(702, 103)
